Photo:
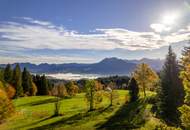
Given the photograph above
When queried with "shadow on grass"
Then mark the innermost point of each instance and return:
(129, 116)
(72, 120)
(40, 102)
(34, 123)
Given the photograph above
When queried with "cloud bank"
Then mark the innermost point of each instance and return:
(35, 35)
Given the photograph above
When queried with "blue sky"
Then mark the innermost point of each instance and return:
(86, 31)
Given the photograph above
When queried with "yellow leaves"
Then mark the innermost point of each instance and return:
(72, 89)
(6, 107)
(185, 117)
(98, 86)
(59, 91)
(10, 91)
(145, 76)
(185, 76)
(34, 89)
(3, 95)
(1, 85)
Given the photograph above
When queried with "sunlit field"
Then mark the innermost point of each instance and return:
(37, 113)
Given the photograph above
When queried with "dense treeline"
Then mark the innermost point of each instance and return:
(121, 82)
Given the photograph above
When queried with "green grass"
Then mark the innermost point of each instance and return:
(37, 113)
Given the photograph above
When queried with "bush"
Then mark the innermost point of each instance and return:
(6, 107)
(59, 91)
(72, 89)
(10, 91)
(34, 89)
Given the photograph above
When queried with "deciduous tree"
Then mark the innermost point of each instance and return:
(92, 93)
(145, 77)
(185, 76)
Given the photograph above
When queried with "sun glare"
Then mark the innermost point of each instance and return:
(170, 18)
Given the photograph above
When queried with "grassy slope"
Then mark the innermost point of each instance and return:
(36, 113)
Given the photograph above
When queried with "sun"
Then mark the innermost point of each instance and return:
(169, 18)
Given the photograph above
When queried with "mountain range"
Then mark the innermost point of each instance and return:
(108, 66)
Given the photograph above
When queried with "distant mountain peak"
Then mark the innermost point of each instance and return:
(110, 66)
(111, 59)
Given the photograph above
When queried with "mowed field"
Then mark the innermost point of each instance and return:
(37, 113)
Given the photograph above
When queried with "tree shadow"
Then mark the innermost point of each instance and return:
(72, 120)
(40, 102)
(126, 118)
(34, 123)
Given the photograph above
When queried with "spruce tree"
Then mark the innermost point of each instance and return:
(8, 73)
(37, 81)
(17, 81)
(26, 81)
(170, 93)
(133, 90)
(44, 85)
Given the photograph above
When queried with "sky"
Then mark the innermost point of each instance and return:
(87, 31)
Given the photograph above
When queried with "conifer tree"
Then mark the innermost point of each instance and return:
(44, 85)
(26, 81)
(133, 90)
(170, 93)
(17, 81)
(8, 73)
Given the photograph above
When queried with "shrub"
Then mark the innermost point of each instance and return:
(6, 107)
(72, 89)
(33, 90)
(10, 91)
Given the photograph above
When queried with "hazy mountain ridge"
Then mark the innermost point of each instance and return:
(110, 66)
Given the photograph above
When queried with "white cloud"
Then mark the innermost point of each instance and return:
(45, 59)
(42, 34)
(160, 27)
(43, 23)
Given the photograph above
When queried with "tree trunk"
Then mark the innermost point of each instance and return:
(144, 91)
(111, 97)
(91, 100)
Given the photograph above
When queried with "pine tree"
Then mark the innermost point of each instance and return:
(133, 90)
(17, 81)
(170, 93)
(44, 85)
(26, 81)
(8, 73)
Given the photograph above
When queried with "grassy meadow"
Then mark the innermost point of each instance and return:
(36, 113)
